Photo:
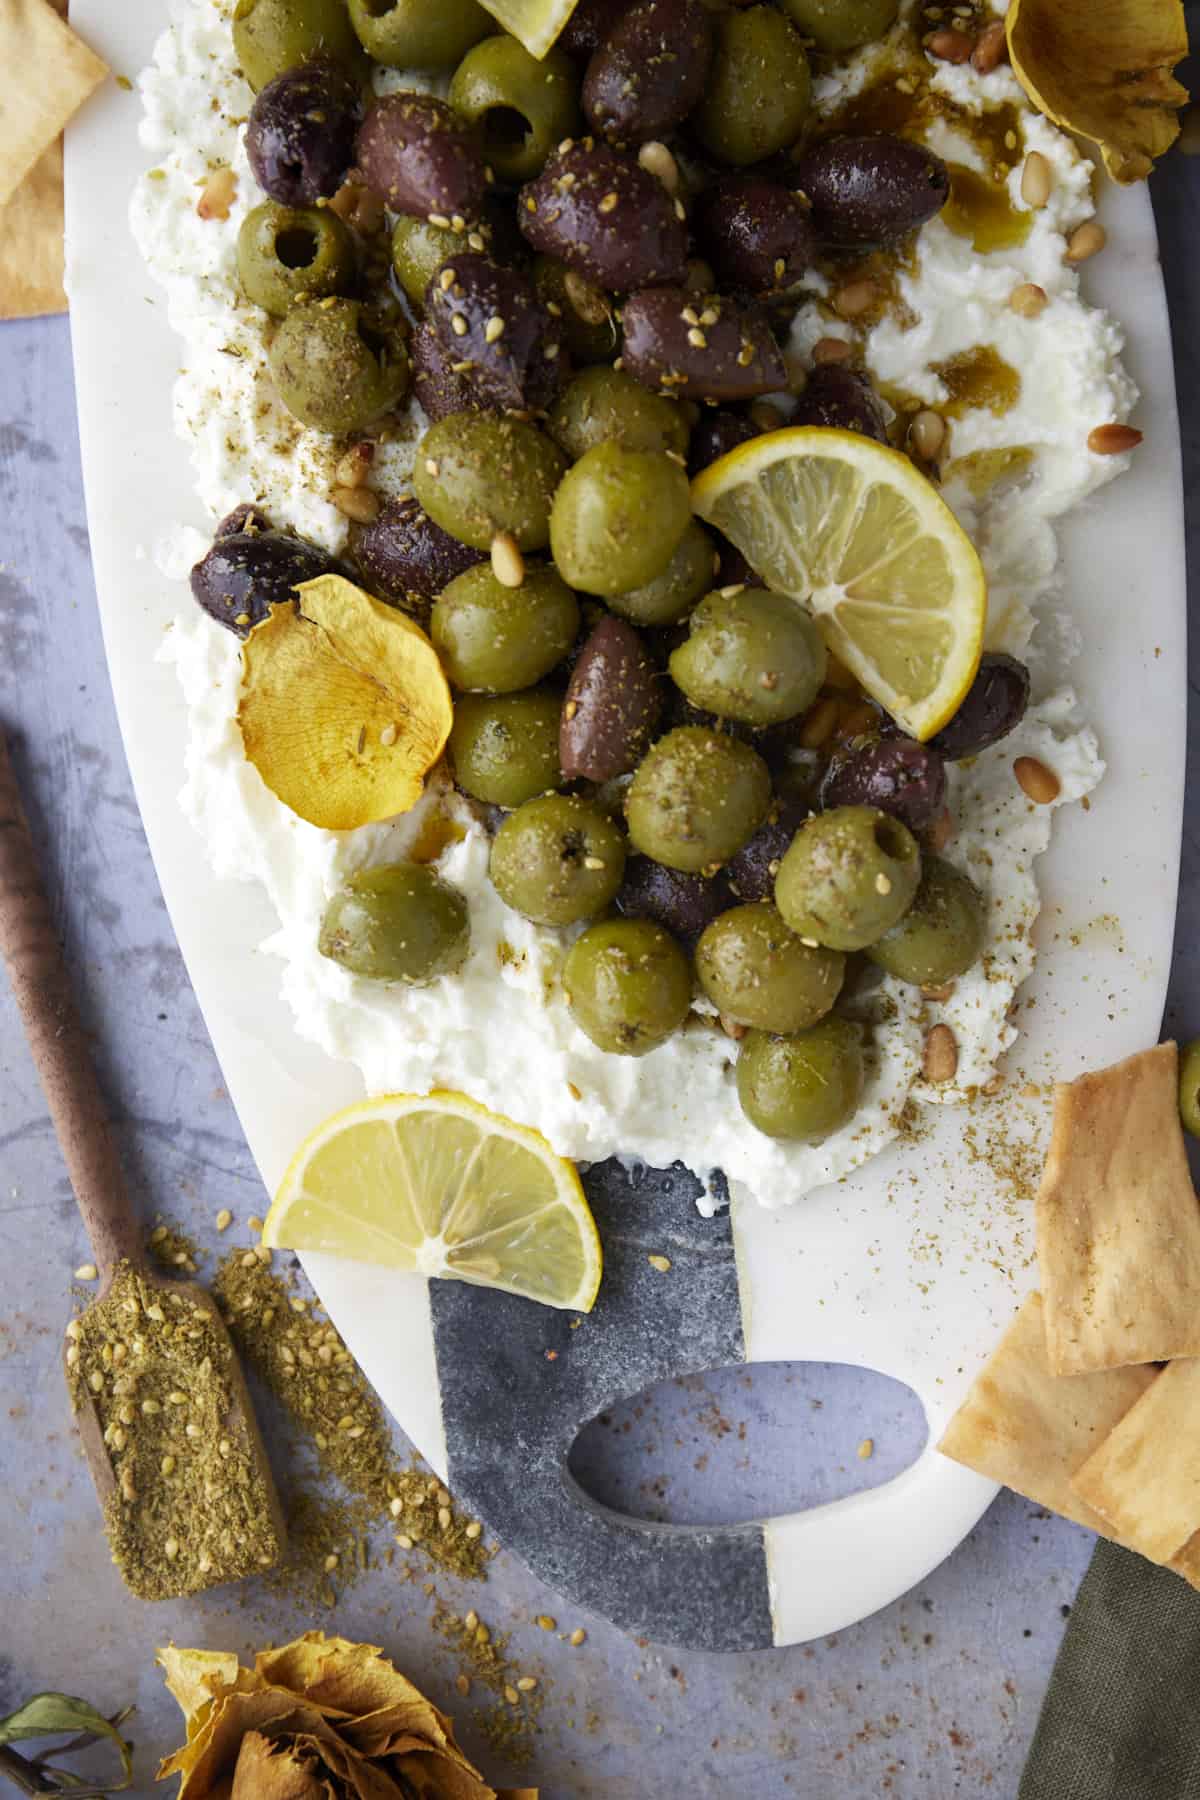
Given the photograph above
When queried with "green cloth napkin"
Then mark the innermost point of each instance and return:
(1121, 1720)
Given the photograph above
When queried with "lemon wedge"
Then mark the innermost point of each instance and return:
(852, 529)
(536, 23)
(438, 1184)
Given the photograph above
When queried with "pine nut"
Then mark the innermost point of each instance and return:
(217, 198)
(508, 565)
(939, 1059)
(657, 160)
(949, 46)
(358, 503)
(355, 466)
(927, 434)
(856, 298)
(1086, 240)
(1037, 179)
(1114, 439)
(819, 722)
(1028, 300)
(831, 350)
(991, 48)
(1036, 781)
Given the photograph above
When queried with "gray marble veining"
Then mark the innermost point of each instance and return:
(935, 1696)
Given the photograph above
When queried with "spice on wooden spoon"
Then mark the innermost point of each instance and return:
(164, 1417)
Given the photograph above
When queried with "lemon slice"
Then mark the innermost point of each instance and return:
(535, 22)
(853, 530)
(437, 1183)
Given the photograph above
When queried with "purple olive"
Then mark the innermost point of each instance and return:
(402, 554)
(717, 433)
(300, 138)
(421, 158)
(700, 346)
(245, 574)
(756, 234)
(244, 518)
(994, 706)
(589, 25)
(753, 870)
(649, 71)
(491, 318)
(842, 397)
(601, 213)
(871, 188)
(441, 388)
(611, 706)
(895, 775)
(682, 904)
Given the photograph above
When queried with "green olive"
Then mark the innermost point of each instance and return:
(400, 922)
(334, 369)
(494, 639)
(668, 597)
(558, 859)
(418, 251)
(839, 25)
(291, 253)
(757, 98)
(270, 36)
(504, 747)
(520, 107)
(941, 934)
(756, 971)
(411, 34)
(802, 1088)
(1189, 1087)
(477, 475)
(618, 517)
(696, 798)
(606, 406)
(848, 875)
(628, 985)
(750, 655)
(589, 318)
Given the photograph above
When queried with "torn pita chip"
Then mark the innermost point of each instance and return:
(1144, 1479)
(59, 74)
(1118, 1223)
(1030, 1429)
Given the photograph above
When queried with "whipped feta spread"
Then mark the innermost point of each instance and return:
(500, 1029)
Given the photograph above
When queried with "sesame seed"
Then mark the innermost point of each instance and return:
(690, 316)
(511, 1694)
(404, 1541)
(883, 883)
(431, 467)
(458, 325)
(86, 1272)
(462, 368)
(444, 1517)
(594, 862)
(224, 1219)
(388, 735)
(446, 279)
(546, 1622)
(578, 1636)
(471, 1620)
(551, 352)
(440, 220)
(697, 338)
(531, 204)
(177, 1397)
(96, 1381)
(680, 211)
(346, 1422)
(473, 1530)
(661, 1263)
(192, 1430)
(810, 943)
(710, 315)
(331, 1562)
(72, 1355)
(608, 203)
(475, 240)
(779, 268)
(457, 222)
(745, 356)
(224, 1447)
(494, 329)
(167, 1465)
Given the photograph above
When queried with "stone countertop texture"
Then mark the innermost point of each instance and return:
(935, 1696)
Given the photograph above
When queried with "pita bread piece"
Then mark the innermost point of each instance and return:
(1145, 1477)
(1030, 1429)
(1118, 1222)
(59, 72)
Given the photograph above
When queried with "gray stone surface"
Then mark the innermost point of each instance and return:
(935, 1696)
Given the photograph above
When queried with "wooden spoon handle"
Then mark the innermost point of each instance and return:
(31, 949)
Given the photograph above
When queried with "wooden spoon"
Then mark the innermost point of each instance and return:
(56, 1039)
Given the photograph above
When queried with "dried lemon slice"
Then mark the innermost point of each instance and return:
(535, 22)
(1103, 69)
(437, 1183)
(344, 707)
